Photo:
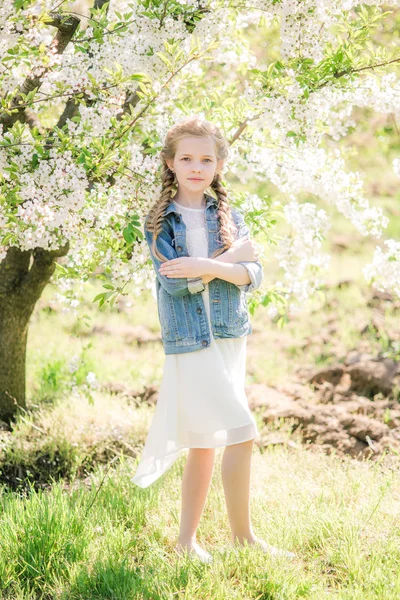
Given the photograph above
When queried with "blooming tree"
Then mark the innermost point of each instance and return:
(88, 95)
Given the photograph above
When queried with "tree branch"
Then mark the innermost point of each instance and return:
(243, 125)
(14, 269)
(350, 71)
(66, 28)
(42, 268)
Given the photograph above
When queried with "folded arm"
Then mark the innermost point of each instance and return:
(232, 272)
(247, 278)
(247, 275)
(227, 258)
(178, 286)
(244, 274)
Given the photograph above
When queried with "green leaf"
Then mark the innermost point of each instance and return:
(164, 59)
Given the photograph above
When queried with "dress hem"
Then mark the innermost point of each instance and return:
(152, 476)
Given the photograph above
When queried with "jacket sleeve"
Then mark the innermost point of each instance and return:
(254, 268)
(176, 286)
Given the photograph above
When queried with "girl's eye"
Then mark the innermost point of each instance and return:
(186, 157)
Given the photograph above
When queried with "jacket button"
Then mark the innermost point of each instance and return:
(179, 248)
(204, 342)
(199, 310)
(178, 219)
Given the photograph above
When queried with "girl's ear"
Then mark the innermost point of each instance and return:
(220, 164)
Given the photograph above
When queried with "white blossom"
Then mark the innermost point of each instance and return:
(54, 199)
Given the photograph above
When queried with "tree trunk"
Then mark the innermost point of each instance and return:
(13, 336)
(23, 277)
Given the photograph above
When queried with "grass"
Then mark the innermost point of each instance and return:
(341, 517)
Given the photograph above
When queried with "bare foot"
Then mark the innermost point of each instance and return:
(260, 543)
(193, 549)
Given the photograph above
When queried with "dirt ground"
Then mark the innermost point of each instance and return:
(337, 407)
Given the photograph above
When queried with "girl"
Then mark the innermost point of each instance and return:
(204, 266)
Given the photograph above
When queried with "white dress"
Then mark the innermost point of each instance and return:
(202, 402)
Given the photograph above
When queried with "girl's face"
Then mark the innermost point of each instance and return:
(195, 163)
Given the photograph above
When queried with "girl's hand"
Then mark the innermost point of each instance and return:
(243, 250)
(185, 266)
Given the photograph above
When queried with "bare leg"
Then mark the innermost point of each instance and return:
(235, 470)
(195, 484)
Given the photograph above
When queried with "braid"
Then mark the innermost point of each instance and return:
(227, 229)
(156, 213)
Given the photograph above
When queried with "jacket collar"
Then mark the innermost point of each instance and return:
(209, 200)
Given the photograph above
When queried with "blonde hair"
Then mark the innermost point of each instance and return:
(191, 126)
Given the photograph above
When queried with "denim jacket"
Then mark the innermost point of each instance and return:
(181, 312)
